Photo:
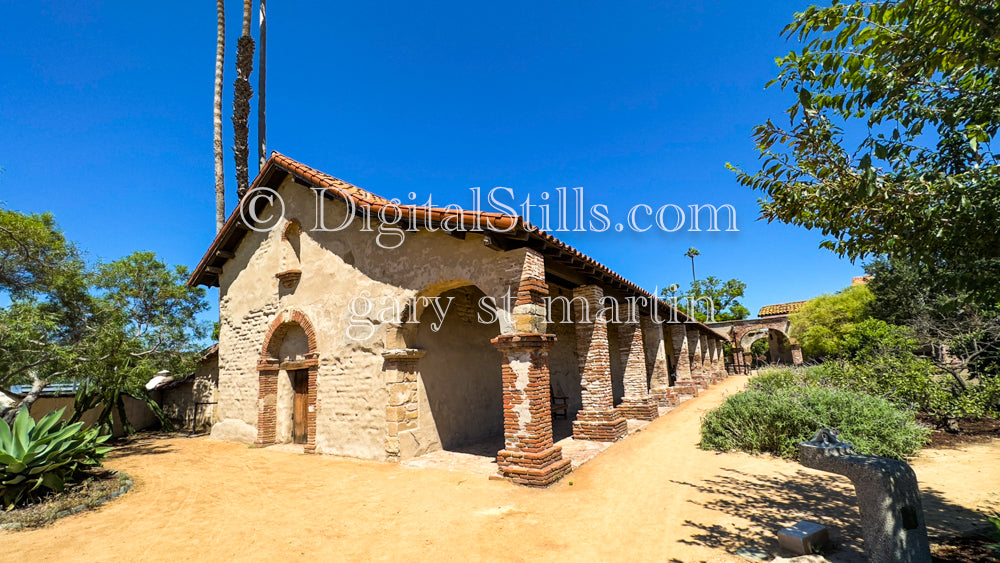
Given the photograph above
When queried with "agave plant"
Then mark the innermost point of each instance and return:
(995, 533)
(36, 458)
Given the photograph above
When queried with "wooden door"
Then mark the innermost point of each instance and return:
(300, 410)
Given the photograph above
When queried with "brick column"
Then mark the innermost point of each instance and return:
(528, 314)
(706, 363)
(656, 362)
(529, 456)
(267, 402)
(636, 403)
(678, 337)
(713, 358)
(696, 347)
(597, 419)
(708, 351)
(720, 359)
(694, 351)
(684, 385)
(401, 410)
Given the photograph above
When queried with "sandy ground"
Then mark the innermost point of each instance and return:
(652, 497)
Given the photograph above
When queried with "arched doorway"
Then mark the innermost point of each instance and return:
(287, 375)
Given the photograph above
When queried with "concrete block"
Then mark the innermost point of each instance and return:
(804, 538)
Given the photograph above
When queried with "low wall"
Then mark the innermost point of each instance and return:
(137, 412)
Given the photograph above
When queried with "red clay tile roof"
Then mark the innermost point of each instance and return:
(780, 309)
(497, 222)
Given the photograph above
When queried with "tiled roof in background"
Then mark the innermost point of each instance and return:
(780, 309)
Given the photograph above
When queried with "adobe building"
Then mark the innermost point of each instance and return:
(331, 341)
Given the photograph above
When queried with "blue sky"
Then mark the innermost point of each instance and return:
(106, 119)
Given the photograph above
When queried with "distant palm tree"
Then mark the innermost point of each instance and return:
(261, 114)
(691, 253)
(241, 103)
(220, 55)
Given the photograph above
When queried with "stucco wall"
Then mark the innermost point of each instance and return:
(336, 268)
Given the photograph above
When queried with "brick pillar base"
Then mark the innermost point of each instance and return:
(600, 426)
(529, 456)
(639, 409)
(685, 388)
(662, 397)
(534, 469)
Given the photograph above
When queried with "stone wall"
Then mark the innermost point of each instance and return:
(178, 401)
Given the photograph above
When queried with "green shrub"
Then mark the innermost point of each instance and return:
(774, 378)
(42, 457)
(980, 398)
(776, 419)
(906, 380)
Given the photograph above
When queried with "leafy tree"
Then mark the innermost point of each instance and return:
(961, 331)
(822, 325)
(872, 338)
(34, 256)
(887, 150)
(43, 277)
(712, 299)
(146, 315)
(110, 327)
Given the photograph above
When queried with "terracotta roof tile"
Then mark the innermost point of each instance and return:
(780, 309)
(340, 189)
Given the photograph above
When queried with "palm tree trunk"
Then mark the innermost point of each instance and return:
(261, 115)
(220, 178)
(241, 104)
(247, 7)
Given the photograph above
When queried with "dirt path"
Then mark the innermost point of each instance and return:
(654, 496)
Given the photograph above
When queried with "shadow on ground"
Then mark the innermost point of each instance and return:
(773, 502)
(139, 446)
